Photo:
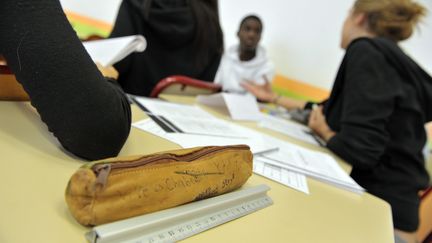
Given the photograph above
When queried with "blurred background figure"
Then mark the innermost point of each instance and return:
(184, 38)
(246, 61)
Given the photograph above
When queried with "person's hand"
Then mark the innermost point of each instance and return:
(318, 124)
(262, 92)
(109, 72)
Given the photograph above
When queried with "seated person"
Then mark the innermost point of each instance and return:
(89, 114)
(246, 61)
(184, 38)
(381, 99)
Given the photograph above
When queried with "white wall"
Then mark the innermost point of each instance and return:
(301, 37)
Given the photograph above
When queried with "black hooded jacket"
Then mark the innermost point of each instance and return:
(378, 106)
(170, 29)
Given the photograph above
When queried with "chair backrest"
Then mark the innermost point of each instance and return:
(4, 69)
(10, 88)
(183, 85)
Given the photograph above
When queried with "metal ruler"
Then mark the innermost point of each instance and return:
(178, 223)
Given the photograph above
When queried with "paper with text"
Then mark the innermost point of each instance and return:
(189, 119)
(318, 165)
(164, 108)
(286, 177)
(257, 144)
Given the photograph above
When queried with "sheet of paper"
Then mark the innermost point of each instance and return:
(315, 164)
(164, 108)
(309, 160)
(187, 119)
(109, 51)
(290, 128)
(279, 174)
(240, 106)
(257, 144)
(328, 180)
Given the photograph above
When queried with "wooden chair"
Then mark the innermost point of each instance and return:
(183, 85)
(10, 88)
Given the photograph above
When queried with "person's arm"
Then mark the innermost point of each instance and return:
(289, 103)
(89, 115)
(317, 122)
(368, 101)
(264, 93)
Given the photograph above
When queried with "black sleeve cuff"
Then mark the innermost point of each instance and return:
(309, 105)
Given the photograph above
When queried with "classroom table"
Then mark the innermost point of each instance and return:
(36, 170)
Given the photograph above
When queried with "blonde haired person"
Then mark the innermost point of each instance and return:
(375, 115)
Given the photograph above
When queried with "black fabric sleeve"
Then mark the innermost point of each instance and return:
(124, 26)
(368, 100)
(309, 105)
(89, 116)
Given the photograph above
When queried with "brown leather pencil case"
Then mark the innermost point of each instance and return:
(118, 188)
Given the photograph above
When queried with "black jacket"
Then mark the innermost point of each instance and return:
(170, 33)
(89, 115)
(378, 106)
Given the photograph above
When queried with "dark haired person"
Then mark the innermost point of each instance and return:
(89, 115)
(184, 38)
(381, 99)
(246, 61)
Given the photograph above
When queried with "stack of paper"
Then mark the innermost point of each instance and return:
(187, 119)
(315, 164)
(190, 126)
(256, 144)
(109, 51)
(276, 173)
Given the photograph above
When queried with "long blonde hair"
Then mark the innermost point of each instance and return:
(394, 19)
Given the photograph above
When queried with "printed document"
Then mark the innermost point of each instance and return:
(318, 165)
(257, 144)
(279, 174)
(180, 118)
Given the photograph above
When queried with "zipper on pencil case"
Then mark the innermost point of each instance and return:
(102, 170)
